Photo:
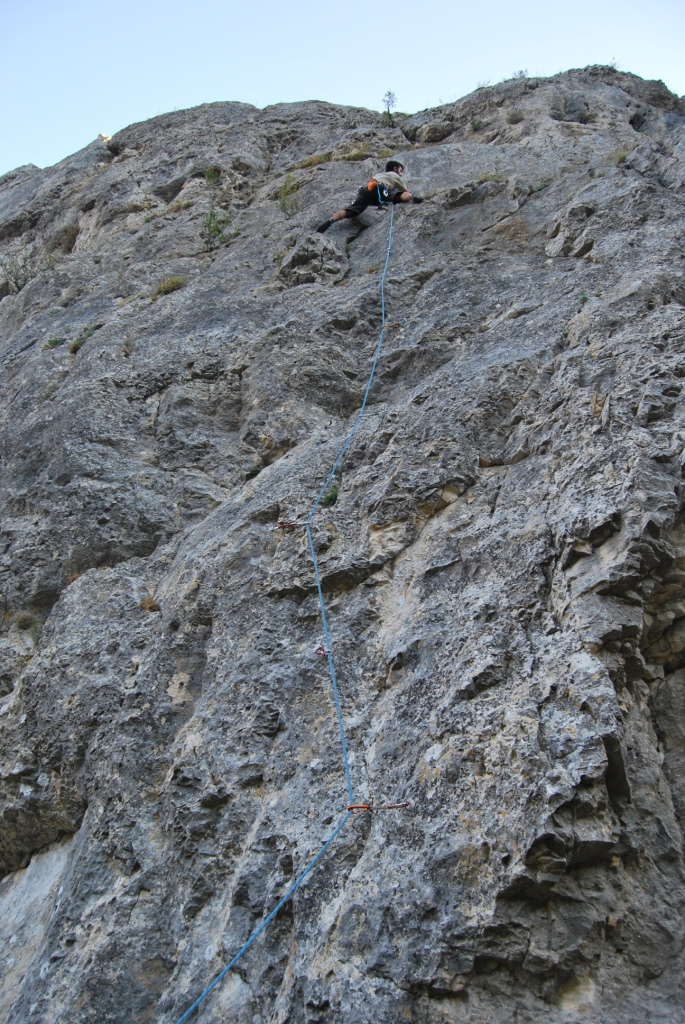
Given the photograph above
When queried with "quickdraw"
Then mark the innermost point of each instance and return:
(370, 807)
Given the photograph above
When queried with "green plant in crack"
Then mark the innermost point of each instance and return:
(213, 231)
(331, 495)
(83, 338)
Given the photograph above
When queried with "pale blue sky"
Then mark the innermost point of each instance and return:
(71, 69)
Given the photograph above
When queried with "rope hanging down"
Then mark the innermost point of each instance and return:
(348, 441)
(351, 806)
(293, 888)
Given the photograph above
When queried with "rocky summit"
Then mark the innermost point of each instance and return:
(501, 553)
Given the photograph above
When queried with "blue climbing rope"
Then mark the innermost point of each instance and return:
(327, 645)
(346, 445)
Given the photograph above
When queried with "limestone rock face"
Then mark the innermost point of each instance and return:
(504, 566)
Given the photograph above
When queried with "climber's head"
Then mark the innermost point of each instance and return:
(394, 165)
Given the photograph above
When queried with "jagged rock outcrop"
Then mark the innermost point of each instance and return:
(182, 356)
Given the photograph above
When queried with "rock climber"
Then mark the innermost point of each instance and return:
(379, 191)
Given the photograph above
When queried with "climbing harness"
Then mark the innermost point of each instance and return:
(382, 191)
(324, 650)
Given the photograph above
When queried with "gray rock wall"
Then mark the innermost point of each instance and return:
(504, 565)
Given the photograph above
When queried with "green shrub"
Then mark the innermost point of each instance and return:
(252, 472)
(493, 177)
(476, 124)
(54, 342)
(621, 157)
(172, 284)
(213, 231)
(23, 620)
(127, 348)
(288, 200)
(331, 496)
(212, 175)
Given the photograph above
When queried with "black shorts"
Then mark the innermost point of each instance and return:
(378, 196)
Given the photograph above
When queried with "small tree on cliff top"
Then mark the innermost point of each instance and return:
(389, 102)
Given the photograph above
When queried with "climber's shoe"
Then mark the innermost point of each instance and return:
(324, 227)
(417, 199)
